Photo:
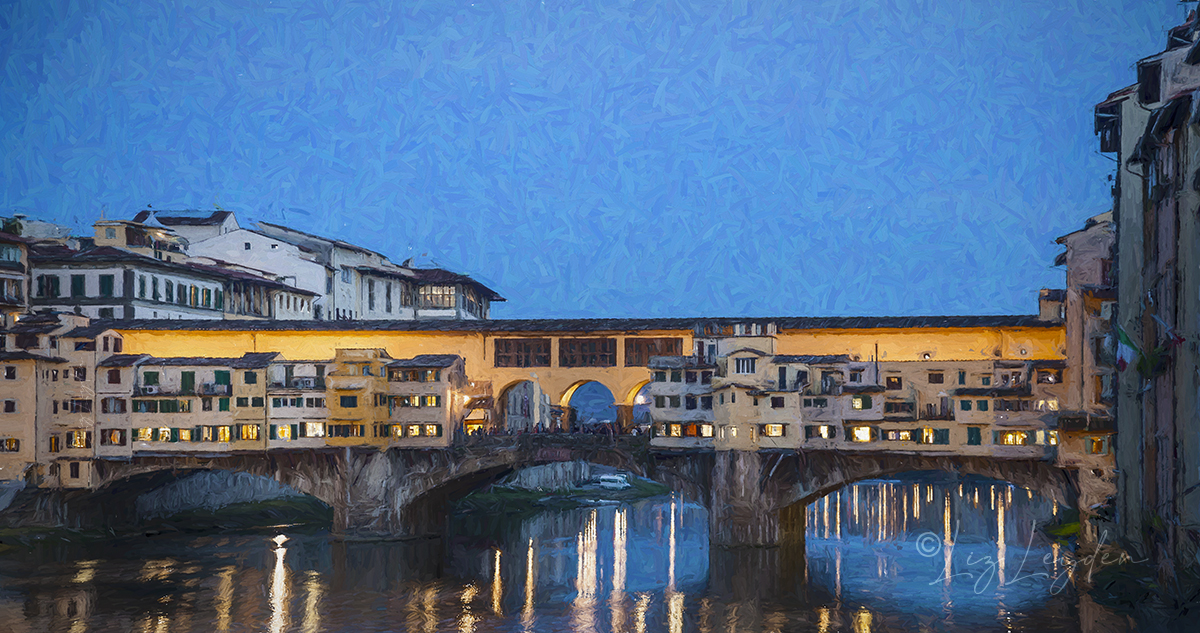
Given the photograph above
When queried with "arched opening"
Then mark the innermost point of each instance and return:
(194, 500)
(589, 406)
(639, 409)
(525, 407)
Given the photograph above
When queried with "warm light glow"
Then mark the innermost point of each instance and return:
(87, 571)
(1014, 438)
(862, 434)
(497, 586)
(279, 589)
(862, 621)
(527, 610)
(312, 599)
(1001, 546)
(706, 430)
(639, 613)
(466, 622)
(773, 430)
(224, 598)
(586, 575)
(620, 534)
(675, 430)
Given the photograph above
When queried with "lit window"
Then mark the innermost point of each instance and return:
(733, 431)
(164, 434)
(433, 430)
(859, 403)
(773, 430)
(1052, 438)
(224, 434)
(675, 430)
(283, 432)
(315, 429)
(862, 434)
(1096, 445)
(414, 430)
(185, 435)
(1014, 438)
(706, 430)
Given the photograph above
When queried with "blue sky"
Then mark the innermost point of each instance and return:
(824, 157)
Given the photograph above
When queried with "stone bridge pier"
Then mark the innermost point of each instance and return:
(759, 498)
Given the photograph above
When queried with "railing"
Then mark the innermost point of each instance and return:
(213, 389)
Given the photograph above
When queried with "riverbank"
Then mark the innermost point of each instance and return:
(514, 501)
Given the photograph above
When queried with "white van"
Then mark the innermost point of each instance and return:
(613, 482)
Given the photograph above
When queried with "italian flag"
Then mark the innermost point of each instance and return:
(1127, 352)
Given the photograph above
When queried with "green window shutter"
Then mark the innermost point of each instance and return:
(197, 433)
(295, 431)
(188, 380)
(983, 405)
(174, 434)
(273, 432)
(973, 435)
(221, 377)
(223, 404)
(866, 400)
(150, 378)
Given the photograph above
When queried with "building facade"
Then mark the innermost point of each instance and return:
(1151, 127)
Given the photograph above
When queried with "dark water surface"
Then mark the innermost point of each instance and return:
(881, 556)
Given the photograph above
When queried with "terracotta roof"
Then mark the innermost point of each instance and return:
(430, 276)
(426, 360)
(581, 325)
(14, 356)
(830, 359)
(253, 360)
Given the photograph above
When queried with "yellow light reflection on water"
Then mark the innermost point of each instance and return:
(497, 586)
(617, 598)
(639, 612)
(87, 571)
(947, 544)
(279, 589)
(1001, 547)
(675, 611)
(586, 575)
(824, 621)
(312, 602)
(224, 598)
(527, 611)
(466, 622)
(671, 551)
(862, 621)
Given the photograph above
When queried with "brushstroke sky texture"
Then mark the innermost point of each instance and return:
(816, 157)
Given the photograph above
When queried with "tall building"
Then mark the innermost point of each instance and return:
(14, 274)
(1151, 127)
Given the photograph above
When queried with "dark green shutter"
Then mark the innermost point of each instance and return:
(295, 431)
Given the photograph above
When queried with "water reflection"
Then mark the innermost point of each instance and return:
(643, 567)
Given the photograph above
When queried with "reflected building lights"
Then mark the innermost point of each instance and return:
(497, 585)
(87, 571)
(862, 621)
(824, 621)
(675, 611)
(530, 581)
(312, 602)
(224, 598)
(947, 543)
(466, 623)
(586, 574)
(671, 550)
(1001, 548)
(639, 612)
(617, 599)
(279, 590)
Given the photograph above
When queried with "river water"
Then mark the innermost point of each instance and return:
(903, 555)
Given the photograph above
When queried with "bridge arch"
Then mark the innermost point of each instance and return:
(631, 398)
(833, 471)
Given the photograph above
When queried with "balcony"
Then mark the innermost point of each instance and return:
(300, 382)
(213, 389)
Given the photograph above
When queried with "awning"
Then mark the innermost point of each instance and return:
(476, 415)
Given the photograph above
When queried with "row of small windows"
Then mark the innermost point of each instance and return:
(582, 352)
(676, 375)
(220, 433)
(688, 402)
(381, 400)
